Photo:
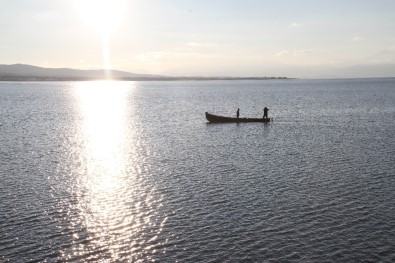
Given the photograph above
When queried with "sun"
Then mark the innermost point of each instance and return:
(103, 15)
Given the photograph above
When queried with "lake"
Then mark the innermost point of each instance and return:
(132, 171)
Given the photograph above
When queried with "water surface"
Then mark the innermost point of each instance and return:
(131, 171)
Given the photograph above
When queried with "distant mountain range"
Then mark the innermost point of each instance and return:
(28, 72)
(22, 72)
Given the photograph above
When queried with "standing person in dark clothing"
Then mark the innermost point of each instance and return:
(238, 113)
(265, 113)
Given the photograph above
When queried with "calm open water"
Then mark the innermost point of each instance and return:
(131, 171)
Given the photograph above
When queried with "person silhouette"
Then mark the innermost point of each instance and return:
(265, 113)
(238, 113)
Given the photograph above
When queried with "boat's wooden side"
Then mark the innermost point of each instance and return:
(221, 119)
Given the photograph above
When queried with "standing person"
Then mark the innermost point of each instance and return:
(265, 113)
(238, 113)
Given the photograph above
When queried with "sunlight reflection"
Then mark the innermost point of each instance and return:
(103, 108)
(103, 111)
(117, 209)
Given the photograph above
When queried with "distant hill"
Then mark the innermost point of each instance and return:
(28, 72)
(22, 72)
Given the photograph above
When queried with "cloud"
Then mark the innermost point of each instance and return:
(301, 52)
(295, 25)
(282, 53)
(151, 57)
(383, 57)
(201, 44)
(358, 39)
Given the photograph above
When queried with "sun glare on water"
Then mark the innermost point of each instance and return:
(105, 17)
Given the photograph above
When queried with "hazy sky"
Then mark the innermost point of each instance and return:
(334, 38)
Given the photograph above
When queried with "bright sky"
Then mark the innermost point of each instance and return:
(304, 38)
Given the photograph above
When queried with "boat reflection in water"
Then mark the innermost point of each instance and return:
(114, 206)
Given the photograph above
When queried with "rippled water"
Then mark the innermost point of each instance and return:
(131, 171)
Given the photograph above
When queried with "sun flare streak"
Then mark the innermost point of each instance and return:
(105, 17)
(106, 55)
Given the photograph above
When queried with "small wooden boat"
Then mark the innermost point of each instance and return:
(221, 119)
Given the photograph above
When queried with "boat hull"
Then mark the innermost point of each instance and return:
(221, 119)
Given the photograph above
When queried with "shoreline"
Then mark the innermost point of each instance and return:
(31, 78)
